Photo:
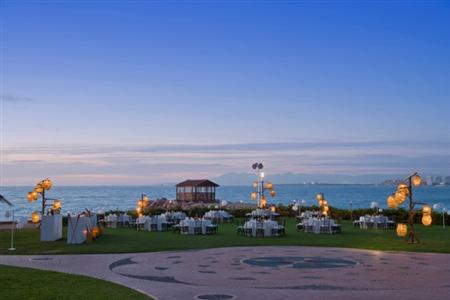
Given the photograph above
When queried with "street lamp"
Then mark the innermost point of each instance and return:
(405, 191)
(260, 187)
(40, 189)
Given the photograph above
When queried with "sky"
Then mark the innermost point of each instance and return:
(150, 92)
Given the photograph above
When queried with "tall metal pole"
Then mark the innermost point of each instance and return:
(412, 239)
(12, 233)
(43, 202)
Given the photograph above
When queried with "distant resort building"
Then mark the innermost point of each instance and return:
(198, 190)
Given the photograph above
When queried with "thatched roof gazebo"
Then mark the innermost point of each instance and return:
(198, 190)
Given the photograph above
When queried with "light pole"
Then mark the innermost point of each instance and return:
(142, 203)
(40, 188)
(260, 186)
(323, 204)
(405, 190)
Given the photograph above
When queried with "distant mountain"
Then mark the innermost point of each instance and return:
(297, 178)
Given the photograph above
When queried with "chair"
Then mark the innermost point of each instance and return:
(326, 226)
(259, 230)
(300, 226)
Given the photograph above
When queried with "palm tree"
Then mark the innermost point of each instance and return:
(3, 200)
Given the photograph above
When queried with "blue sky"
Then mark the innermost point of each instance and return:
(108, 92)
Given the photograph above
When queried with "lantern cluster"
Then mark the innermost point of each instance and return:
(426, 215)
(42, 186)
(323, 204)
(142, 204)
(265, 186)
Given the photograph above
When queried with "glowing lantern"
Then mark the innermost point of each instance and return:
(46, 184)
(402, 230)
(269, 185)
(253, 195)
(426, 210)
(30, 197)
(320, 202)
(295, 207)
(324, 202)
(139, 203)
(255, 184)
(416, 180)
(319, 196)
(138, 210)
(272, 193)
(391, 202)
(273, 209)
(263, 202)
(404, 188)
(325, 213)
(39, 189)
(326, 208)
(145, 198)
(95, 232)
(35, 195)
(399, 197)
(426, 220)
(57, 204)
(35, 217)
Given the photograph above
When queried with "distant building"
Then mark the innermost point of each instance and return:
(447, 180)
(429, 180)
(198, 190)
(437, 180)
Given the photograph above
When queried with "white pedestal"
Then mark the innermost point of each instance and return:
(51, 228)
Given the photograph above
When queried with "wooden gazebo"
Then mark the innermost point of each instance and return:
(198, 190)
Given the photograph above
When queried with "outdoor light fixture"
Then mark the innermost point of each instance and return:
(323, 204)
(141, 205)
(405, 191)
(40, 189)
(261, 187)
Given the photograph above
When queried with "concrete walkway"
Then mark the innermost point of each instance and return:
(262, 273)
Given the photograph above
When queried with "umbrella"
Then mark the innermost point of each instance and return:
(3, 199)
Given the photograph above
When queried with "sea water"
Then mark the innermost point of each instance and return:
(102, 198)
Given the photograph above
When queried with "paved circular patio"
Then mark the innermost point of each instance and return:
(262, 272)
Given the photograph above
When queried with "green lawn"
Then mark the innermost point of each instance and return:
(434, 239)
(24, 283)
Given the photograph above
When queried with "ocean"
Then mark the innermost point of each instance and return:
(101, 198)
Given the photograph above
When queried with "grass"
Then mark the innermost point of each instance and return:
(24, 283)
(433, 238)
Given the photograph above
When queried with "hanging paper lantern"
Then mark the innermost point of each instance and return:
(324, 202)
(399, 197)
(253, 195)
(402, 230)
(426, 220)
(269, 185)
(391, 202)
(326, 208)
(272, 193)
(404, 188)
(145, 198)
(263, 202)
(255, 184)
(30, 197)
(139, 203)
(35, 217)
(35, 195)
(416, 180)
(426, 210)
(273, 209)
(46, 184)
(57, 204)
(319, 196)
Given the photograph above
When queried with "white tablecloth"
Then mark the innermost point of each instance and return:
(267, 226)
(51, 228)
